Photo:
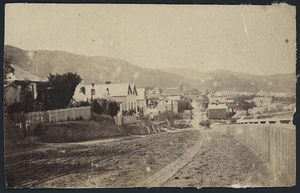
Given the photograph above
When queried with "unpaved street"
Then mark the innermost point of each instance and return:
(223, 162)
(113, 163)
(190, 157)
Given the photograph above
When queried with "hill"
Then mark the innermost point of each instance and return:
(94, 69)
(235, 81)
(98, 69)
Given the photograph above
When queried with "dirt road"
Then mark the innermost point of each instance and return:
(114, 163)
(223, 162)
(190, 157)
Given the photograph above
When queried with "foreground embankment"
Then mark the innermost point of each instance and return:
(78, 131)
(275, 143)
(101, 126)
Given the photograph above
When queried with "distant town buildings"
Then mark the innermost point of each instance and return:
(262, 101)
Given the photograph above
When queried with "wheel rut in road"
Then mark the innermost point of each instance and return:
(162, 176)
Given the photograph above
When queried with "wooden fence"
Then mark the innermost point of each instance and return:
(32, 119)
(69, 114)
(275, 143)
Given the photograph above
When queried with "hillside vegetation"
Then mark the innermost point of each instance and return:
(98, 69)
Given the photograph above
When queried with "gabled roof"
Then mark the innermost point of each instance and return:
(104, 91)
(109, 90)
(133, 89)
(219, 106)
(21, 75)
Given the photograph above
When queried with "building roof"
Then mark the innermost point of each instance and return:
(133, 88)
(167, 102)
(105, 91)
(141, 93)
(219, 106)
(174, 88)
(175, 98)
(80, 96)
(21, 75)
(120, 89)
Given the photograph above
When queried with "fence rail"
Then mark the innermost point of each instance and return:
(265, 121)
(276, 144)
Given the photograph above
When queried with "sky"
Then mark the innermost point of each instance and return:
(242, 38)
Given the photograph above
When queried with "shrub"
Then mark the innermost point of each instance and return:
(205, 123)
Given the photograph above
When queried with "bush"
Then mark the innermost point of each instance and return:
(102, 117)
(97, 107)
(205, 123)
(170, 115)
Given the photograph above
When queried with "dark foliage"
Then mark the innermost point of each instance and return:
(99, 106)
(113, 108)
(7, 64)
(241, 104)
(61, 89)
(106, 107)
(26, 102)
(129, 113)
(184, 105)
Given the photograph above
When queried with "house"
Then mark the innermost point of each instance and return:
(15, 83)
(173, 91)
(174, 98)
(224, 94)
(217, 111)
(221, 100)
(141, 100)
(167, 105)
(123, 93)
(278, 107)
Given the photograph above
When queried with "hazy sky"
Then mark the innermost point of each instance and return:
(251, 39)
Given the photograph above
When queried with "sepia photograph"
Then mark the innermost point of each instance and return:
(145, 95)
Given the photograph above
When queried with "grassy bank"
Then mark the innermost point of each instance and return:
(72, 131)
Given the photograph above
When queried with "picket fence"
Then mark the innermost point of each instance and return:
(32, 119)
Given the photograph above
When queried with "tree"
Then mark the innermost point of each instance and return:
(241, 104)
(61, 89)
(113, 108)
(7, 64)
(98, 106)
(26, 102)
(184, 105)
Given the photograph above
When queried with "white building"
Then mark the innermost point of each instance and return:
(167, 105)
(141, 100)
(123, 93)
